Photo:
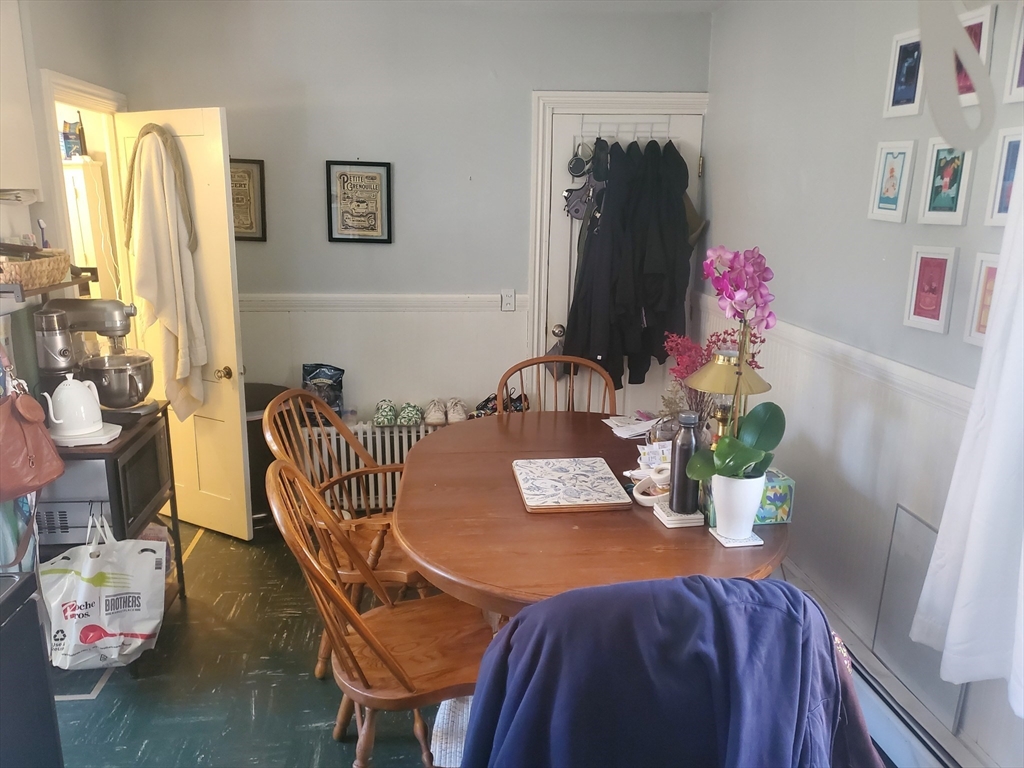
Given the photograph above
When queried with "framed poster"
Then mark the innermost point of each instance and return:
(982, 285)
(978, 25)
(904, 87)
(944, 193)
(930, 290)
(894, 168)
(1015, 72)
(1007, 150)
(248, 202)
(358, 202)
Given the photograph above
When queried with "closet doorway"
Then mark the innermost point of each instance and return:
(561, 120)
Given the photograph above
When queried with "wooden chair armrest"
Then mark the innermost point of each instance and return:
(361, 472)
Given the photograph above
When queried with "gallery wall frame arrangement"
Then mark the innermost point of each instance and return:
(978, 25)
(905, 86)
(248, 200)
(359, 202)
(982, 285)
(930, 289)
(890, 190)
(1008, 143)
(945, 188)
(1015, 72)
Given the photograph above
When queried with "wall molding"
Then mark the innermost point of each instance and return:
(948, 395)
(375, 302)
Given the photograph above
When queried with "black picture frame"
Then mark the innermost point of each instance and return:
(249, 200)
(359, 202)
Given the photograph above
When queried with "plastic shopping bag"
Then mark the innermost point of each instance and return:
(105, 600)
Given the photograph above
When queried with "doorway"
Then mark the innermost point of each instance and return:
(561, 120)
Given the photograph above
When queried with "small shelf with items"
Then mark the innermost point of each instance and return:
(89, 275)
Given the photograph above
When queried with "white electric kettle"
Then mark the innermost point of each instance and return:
(74, 408)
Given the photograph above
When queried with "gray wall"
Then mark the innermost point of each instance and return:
(440, 89)
(794, 120)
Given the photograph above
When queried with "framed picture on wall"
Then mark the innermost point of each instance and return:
(982, 285)
(358, 202)
(1015, 72)
(248, 201)
(903, 92)
(932, 271)
(894, 168)
(1007, 150)
(978, 25)
(947, 176)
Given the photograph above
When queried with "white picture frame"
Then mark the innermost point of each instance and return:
(930, 289)
(982, 284)
(985, 17)
(904, 90)
(1015, 72)
(1008, 146)
(946, 185)
(890, 190)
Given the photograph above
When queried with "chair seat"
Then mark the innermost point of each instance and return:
(394, 566)
(438, 641)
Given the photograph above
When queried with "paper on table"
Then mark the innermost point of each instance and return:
(634, 430)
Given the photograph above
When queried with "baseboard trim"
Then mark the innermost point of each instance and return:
(948, 395)
(375, 302)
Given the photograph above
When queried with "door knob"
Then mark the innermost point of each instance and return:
(223, 373)
(558, 331)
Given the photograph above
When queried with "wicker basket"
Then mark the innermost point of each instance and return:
(47, 269)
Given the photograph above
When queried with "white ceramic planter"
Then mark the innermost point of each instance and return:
(736, 503)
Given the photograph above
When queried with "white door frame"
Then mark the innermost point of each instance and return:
(547, 104)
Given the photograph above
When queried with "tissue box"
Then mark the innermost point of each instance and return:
(776, 504)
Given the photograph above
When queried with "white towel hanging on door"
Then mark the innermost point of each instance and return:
(164, 276)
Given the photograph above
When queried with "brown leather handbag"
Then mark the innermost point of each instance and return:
(28, 457)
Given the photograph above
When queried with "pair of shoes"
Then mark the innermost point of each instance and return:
(486, 407)
(410, 415)
(385, 415)
(439, 413)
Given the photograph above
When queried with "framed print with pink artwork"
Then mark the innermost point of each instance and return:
(982, 285)
(932, 272)
(978, 25)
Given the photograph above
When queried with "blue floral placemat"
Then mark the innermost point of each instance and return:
(566, 484)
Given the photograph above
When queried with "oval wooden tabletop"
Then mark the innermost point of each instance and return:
(461, 518)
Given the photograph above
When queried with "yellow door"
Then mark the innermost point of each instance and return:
(210, 454)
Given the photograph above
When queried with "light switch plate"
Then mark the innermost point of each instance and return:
(508, 300)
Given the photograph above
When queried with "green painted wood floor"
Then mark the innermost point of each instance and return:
(230, 682)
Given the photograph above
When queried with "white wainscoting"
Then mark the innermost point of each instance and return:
(406, 347)
(865, 434)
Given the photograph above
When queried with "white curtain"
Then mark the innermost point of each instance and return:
(972, 603)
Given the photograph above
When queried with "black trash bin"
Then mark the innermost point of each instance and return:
(257, 397)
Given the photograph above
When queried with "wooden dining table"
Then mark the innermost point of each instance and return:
(462, 520)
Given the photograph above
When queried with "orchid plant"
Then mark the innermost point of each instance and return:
(740, 279)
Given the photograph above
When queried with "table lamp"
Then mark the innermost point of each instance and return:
(718, 377)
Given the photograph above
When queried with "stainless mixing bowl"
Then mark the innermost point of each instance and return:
(122, 380)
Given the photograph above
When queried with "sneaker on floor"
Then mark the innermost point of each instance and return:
(456, 410)
(385, 414)
(435, 414)
(410, 415)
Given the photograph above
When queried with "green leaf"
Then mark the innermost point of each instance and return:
(763, 427)
(733, 457)
(701, 465)
(762, 466)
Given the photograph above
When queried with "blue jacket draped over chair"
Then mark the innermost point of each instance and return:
(690, 671)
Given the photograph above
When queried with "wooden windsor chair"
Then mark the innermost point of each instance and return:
(580, 385)
(299, 428)
(397, 656)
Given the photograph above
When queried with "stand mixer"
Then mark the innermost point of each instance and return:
(122, 377)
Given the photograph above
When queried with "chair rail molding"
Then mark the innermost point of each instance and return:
(375, 302)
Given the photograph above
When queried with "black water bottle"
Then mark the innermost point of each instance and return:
(682, 497)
